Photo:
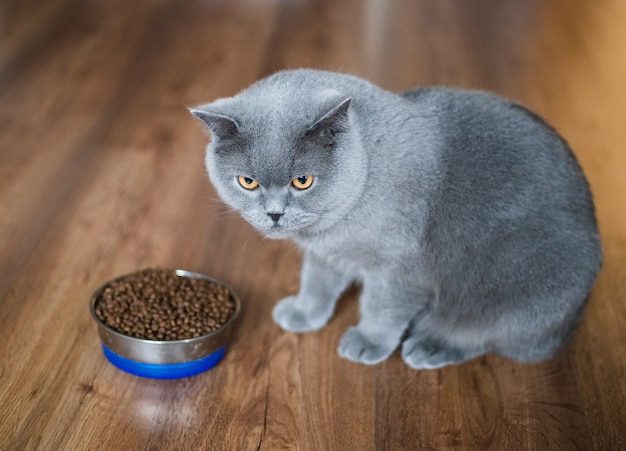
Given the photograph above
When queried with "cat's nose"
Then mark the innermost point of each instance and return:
(275, 216)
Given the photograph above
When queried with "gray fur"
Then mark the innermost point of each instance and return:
(465, 217)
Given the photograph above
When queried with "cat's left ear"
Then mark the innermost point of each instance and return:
(333, 121)
(222, 126)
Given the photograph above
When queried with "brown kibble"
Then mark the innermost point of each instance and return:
(156, 304)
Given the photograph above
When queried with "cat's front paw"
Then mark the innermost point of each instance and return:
(358, 348)
(288, 315)
(424, 354)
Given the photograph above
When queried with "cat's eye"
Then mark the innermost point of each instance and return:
(247, 182)
(302, 182)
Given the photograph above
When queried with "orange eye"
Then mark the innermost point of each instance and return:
(247, 182)
(302, 182)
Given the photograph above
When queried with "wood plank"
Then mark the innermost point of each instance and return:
(25, 25)
(57, 129)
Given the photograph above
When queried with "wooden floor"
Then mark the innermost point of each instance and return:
(101, 173)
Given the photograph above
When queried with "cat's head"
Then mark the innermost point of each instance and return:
(289, 159)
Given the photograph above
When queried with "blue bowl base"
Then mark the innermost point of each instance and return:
(164, 371)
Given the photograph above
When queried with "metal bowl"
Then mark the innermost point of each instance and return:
(165, 359)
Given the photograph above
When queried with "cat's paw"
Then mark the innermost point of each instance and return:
(424, 354)
(294, 319)
(356, 347)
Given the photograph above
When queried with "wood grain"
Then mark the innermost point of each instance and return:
(101, 173)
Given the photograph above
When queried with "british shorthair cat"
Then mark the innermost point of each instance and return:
(465, 217)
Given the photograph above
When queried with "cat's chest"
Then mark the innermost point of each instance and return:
(352, 255)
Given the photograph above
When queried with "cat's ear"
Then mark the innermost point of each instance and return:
(221, 125)
(334, 121)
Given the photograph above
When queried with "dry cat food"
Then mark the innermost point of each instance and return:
(156, 304)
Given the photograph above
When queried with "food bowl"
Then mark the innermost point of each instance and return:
(157, 357)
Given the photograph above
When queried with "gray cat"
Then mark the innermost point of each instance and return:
(465, 217)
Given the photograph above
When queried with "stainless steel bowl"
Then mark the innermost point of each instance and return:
(165, 359)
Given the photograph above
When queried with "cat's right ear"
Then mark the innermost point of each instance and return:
(222, 126)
